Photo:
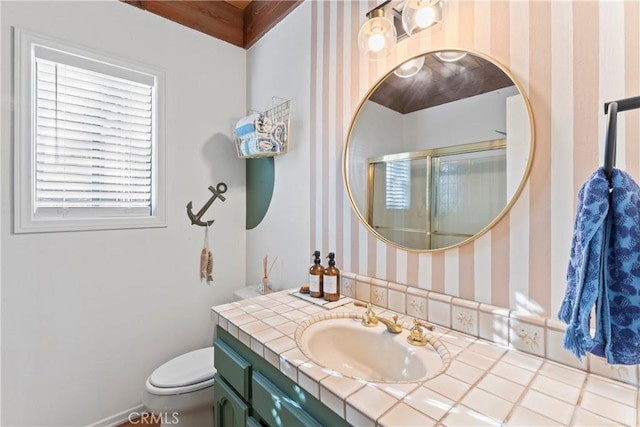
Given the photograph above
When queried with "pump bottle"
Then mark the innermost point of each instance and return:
(316, 273)
(331, 280)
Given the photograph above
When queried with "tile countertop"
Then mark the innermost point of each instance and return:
(486, 383)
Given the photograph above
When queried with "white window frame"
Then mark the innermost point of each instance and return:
(25, 220)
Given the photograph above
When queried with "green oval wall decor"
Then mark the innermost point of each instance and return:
(260, 177)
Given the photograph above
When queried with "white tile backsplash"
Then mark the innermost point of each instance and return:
(557, 352)
(439, 310)
(493, 324)
(464, 320)
(379, 296)
(363, 290)
(417, 303)
(624, 373)
(348, 286)
(396, 301)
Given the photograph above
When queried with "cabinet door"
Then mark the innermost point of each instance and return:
(235, 368)
(275, 408)
(231, 410)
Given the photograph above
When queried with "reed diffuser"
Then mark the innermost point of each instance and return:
(266, 285)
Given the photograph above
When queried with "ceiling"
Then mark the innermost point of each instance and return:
(243, 22)
(239, 22)
(440, 82)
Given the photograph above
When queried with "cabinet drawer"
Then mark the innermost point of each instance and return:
(275, 408)
(231, 410)
(233, 367)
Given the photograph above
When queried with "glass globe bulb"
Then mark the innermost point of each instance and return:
(450, 55)
(376, 42)
(410, 68)
(377, 36)
(425, 17)
(418, 15)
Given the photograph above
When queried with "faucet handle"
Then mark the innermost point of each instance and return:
(368, 306)
(370, 310)
(416, 335)
(369, 317)
(425, 325)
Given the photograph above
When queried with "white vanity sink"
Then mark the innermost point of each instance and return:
(372, 354)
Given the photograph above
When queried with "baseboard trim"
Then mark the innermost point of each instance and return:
(119, 418)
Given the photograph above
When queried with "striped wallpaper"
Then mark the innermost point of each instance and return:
(570, 57)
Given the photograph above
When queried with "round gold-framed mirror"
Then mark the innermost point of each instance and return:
(438, 151)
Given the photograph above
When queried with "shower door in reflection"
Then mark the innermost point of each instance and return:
(436, 198)
(468, 191)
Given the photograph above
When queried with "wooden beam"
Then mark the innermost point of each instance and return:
(215, 18)
(262, 15)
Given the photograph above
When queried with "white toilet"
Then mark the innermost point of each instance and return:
(180, 392)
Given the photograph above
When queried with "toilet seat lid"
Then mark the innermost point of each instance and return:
(188, 369)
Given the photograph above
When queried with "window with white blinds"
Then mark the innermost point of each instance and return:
(93, 138)
(398, 184)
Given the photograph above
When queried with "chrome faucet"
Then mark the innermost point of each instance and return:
(369, 319)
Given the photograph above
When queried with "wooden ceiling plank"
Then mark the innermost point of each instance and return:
(262, 15)
(215, 18)
(240, 4)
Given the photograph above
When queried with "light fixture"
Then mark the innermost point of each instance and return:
(418, 15)
(410, 68)
(450, 55)
(377, 36)
(394, 20)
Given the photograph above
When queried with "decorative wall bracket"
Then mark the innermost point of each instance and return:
(220, 189)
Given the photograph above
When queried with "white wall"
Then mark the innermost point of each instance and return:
(279, 65)
(440, 126)
(377, 131)
(86, 316)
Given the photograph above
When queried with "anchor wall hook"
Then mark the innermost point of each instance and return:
(218, 192)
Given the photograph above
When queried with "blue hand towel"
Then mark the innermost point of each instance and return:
(585, 264)
(604, 270)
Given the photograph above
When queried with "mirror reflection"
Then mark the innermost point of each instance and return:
(436, 155)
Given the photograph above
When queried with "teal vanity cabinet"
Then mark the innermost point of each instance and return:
(232, 390)
(251, 392)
